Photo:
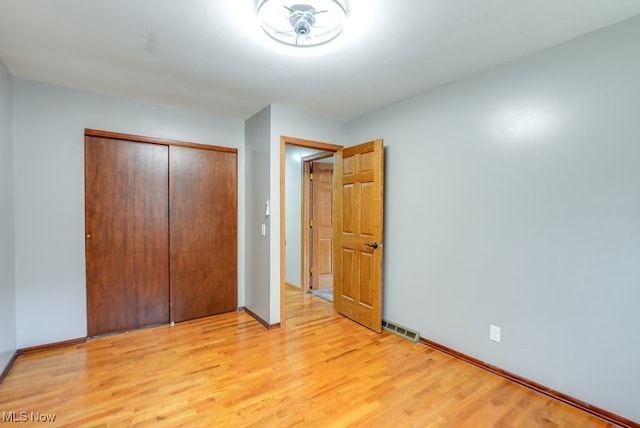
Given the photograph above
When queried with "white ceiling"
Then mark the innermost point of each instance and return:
(211, 54)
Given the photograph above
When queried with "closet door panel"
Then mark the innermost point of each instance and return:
(126, 217)
(203, 232)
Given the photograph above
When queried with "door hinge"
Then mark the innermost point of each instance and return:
(311, 271)
(311, 177)
(311, 224)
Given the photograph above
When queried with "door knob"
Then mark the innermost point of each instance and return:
(374, 245)
(88, 236)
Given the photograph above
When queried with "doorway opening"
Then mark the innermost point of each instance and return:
(297, 157)
(358, 230)
(317, 225)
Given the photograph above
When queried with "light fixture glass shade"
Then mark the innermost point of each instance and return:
(302, 22)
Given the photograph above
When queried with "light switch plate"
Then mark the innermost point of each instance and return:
(494, 333)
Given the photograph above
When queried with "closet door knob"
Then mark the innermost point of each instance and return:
(89, 236)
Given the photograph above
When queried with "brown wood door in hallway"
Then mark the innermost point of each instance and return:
(322, 230)
(126, 217)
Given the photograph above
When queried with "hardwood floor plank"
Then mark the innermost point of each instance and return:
(321, 370)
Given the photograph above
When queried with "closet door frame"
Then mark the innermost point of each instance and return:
(152, 140)
(163, 142)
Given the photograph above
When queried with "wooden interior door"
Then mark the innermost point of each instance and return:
(203, 232)
(359, 196)
(322, 225)
(126, 220)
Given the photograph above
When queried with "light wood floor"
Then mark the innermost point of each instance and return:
(322, 370)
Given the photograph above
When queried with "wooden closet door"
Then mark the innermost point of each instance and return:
(203, 231)
(126, 217)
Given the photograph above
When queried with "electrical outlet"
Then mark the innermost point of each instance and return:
(494, 333)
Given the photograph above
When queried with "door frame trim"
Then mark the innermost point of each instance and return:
(300, 142)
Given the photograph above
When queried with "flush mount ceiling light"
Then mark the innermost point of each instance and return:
(302, 22)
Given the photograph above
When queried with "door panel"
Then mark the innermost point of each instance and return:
(348, 274)
(322, 231)
(348, 209)
(203, 232)
(366, 272)
(368, 220)
(359, 189)
(126, 220)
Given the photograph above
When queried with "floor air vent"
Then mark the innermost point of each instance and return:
(404, 332)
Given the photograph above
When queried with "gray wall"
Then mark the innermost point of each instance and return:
(257, 138)
(513, 198)
(7, 248)
(49, 194)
